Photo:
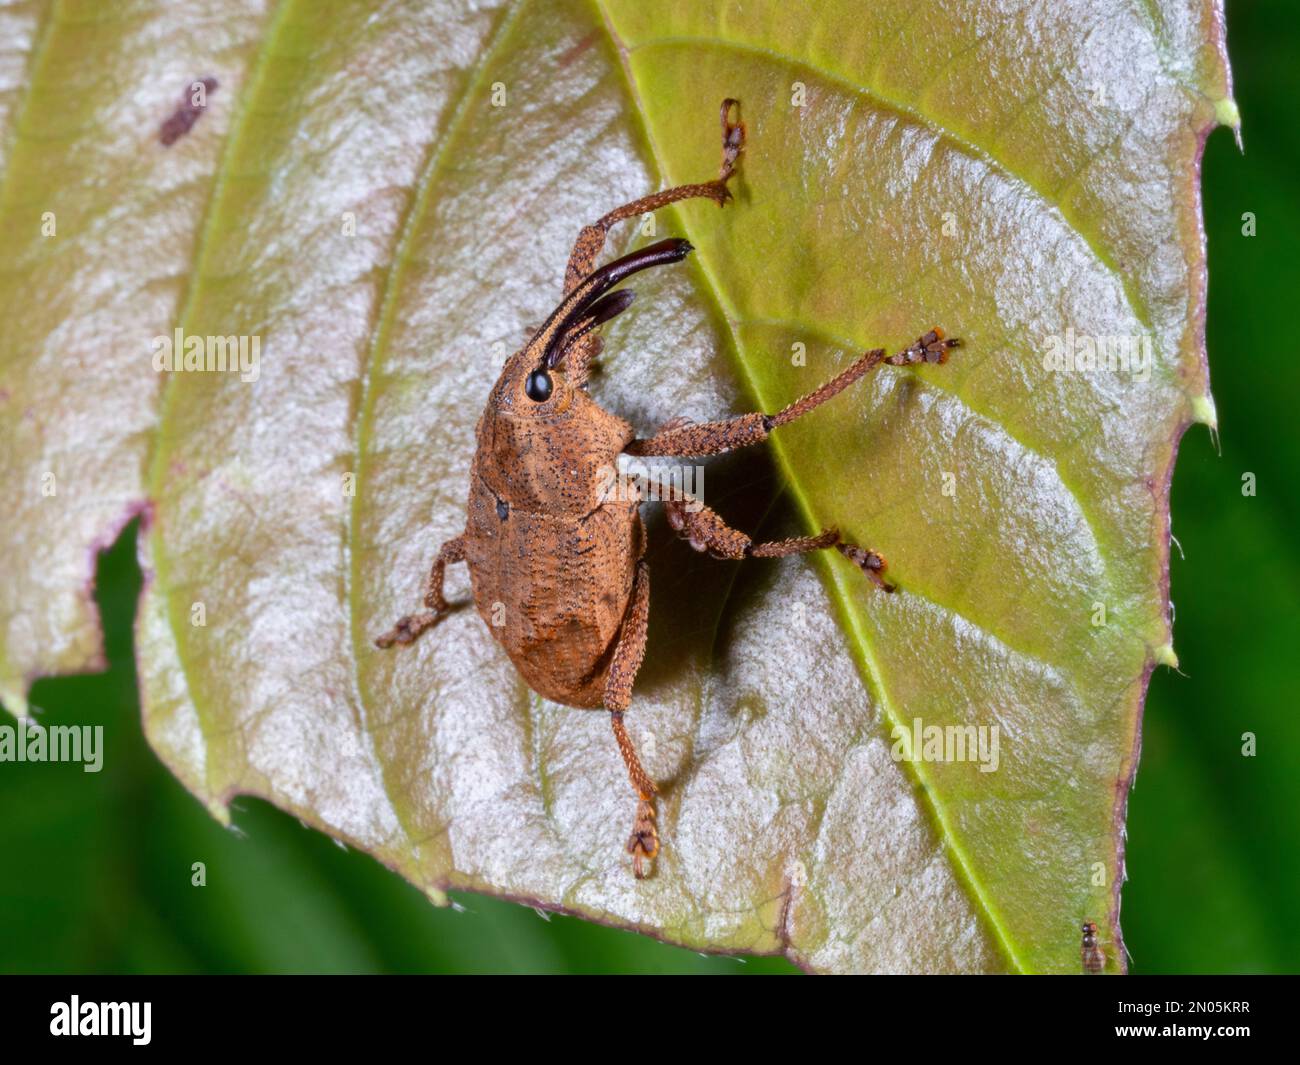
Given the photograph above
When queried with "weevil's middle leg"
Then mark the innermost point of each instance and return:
(715, 438)
(408, 628)
(706, 531)
(629, 652)
(591, 240)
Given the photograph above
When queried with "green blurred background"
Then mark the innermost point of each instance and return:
(95, 869)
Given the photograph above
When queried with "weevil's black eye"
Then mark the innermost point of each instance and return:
(538, 386)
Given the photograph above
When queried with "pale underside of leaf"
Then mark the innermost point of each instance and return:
(768, 696)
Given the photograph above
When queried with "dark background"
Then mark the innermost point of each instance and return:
(94, 869)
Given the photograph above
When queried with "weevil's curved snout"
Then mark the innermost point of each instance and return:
(605, 308)
(609, 305)
(591, 303)
(588, 304)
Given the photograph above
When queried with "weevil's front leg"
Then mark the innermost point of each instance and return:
(591, 240)
(409, 627)
(706, 531)
(715, 438)
(643, 844)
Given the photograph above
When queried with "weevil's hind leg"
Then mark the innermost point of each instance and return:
(715, 438)
(706, 531)
(643, 844)
(408, 628)
(591, 240)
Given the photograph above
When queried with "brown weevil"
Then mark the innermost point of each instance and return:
(545, 539)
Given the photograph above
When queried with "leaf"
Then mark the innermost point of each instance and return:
(1008, 172)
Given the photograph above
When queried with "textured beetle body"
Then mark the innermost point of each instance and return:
(551, 554)
(556, 559)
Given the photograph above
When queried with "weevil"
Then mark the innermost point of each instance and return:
(1093, 957)
(546, 539)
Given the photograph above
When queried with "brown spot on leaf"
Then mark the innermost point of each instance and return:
(573, 53)
(187, 113)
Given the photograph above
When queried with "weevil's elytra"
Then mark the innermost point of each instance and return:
(545, 538)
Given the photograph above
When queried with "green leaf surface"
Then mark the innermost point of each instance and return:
(1008, 171)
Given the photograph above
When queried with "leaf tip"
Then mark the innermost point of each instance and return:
(220, 812)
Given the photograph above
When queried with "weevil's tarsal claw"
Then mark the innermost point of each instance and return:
(643, 844)
(733, 141)
(932, 348)
(408, 628)
(870, 562)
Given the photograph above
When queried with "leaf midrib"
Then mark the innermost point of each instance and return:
(860, 643)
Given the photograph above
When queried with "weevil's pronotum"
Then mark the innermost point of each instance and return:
(1094, 958)
(545, 539)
